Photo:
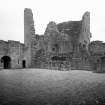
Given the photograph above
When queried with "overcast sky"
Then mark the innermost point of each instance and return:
(12, 16)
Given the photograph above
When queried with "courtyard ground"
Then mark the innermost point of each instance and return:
(51, 87)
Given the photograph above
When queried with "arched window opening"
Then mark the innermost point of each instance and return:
(55, 47)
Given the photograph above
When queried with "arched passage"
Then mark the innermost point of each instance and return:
(102, 64)
(24, 64)
(6, 60)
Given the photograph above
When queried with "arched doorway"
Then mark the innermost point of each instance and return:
(6, 60)
(103, 64)
(103, 59)
(24, 64)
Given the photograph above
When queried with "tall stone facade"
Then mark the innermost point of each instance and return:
(29, 33)
(97, 55)
(11, 54)
(63, 46)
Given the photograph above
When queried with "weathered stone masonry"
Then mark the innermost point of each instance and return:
(63, 46)
(12, 50)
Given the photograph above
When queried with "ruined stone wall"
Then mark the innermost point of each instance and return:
(96, 50)
(97, 47)
(97, 53)
(62, 42)
(3, 51)
(83, 42)
(16, 54)
(29, 34)
(38, 48)
(72, 29)
(63, 45)
(85, 34)
(54, 38)
(57, 44)
(14, 50)
(29, 30)
(52, 44)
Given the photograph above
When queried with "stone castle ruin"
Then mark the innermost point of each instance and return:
(63, 46)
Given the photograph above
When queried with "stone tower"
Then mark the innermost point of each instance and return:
(29, 34)
(29, 30)
(85, 30)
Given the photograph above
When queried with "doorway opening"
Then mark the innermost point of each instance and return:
(6, 60)
(103, 64)
(103, 60)
(24, 64)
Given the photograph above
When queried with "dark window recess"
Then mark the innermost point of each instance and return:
(79, 45)
(53, 49)
(103, 59)
(58, 58)
(98, 60)
(18, 61)
(85, 58)
(84, 45)
(56, 46)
